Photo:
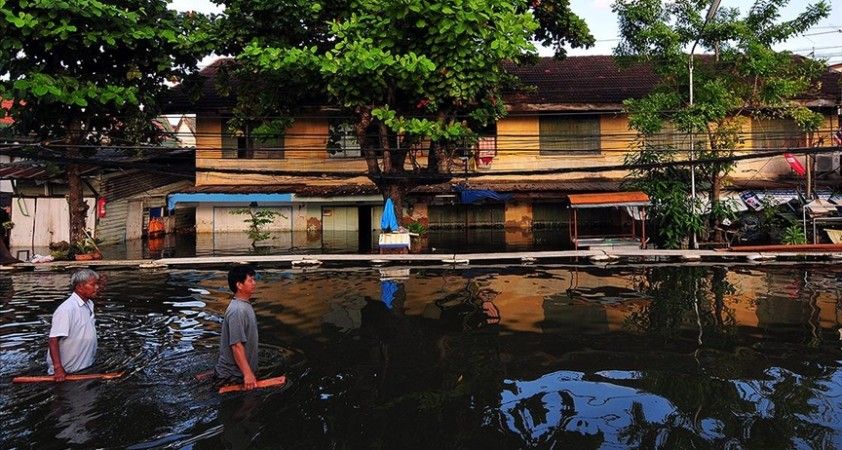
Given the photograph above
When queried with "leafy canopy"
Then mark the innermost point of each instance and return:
(737, 73)
(97, 64)
(407, 72)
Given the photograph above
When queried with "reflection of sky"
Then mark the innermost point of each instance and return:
(565, 401)
(825, 401)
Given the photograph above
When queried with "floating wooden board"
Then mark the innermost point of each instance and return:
(786, 248)
(80, 377)
(268, 382)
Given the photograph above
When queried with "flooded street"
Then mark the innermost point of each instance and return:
(478, 357)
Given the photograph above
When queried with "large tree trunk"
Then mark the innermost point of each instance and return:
(75, 200)
(75, 193)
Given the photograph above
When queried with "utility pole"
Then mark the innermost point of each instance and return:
(714, 6)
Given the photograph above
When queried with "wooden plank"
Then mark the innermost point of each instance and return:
(261, 384)
(72, 377)
(787, 248)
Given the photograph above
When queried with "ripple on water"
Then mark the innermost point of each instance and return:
(609, 358)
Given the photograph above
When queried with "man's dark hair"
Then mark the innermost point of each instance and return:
(238, 274)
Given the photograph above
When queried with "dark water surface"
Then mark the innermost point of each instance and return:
(663, 357)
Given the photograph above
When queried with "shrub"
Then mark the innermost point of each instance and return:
(793, 235)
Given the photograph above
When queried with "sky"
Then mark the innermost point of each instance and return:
(822, 41)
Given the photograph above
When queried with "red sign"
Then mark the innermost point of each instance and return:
(795, 164)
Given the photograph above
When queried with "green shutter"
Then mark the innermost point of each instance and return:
(569, 135)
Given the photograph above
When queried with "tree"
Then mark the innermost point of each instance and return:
(257, 219)
(86, 73)
(418, 78)
(741, 76)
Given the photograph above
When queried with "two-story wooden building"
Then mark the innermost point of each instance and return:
(573, 119)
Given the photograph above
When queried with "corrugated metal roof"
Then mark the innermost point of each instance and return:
(27, 170)
(605, 199)
(129, 184)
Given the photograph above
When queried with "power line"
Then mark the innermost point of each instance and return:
(417, 176)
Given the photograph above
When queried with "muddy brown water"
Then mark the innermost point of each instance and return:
(658, 357)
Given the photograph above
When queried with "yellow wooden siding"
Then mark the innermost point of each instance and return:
(307, 139)
(517, 136)
(517, 149)
(208, 138)
(616, 134)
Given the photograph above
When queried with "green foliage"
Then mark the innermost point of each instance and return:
(85, 72)
(418, 226)
(793, 235)
(409, 73)
(98, 64)
(741, 74)
(86, 245)
(671, 215)
(257, 219)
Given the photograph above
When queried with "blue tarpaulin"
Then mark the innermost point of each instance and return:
(476, 195)
(388, 222)
(388, 289)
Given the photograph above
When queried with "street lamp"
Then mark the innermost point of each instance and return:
(711, 12)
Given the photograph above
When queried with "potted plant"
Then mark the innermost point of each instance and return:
(86, 250)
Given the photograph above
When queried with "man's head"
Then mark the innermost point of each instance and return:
(241, 281)
(85, 283)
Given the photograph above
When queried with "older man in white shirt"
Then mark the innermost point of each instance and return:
(72, 345)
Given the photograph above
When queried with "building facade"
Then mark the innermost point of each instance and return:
(571, 127)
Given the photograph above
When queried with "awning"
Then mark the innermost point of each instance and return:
(174, 199)
(608, 199)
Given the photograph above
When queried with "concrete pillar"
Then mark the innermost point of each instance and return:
(518, 215)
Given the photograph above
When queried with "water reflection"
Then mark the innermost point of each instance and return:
(657, 357)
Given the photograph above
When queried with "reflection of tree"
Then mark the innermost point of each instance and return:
(793, 399)
(756, 414)
(673, 292)
(435, 386)
(641, 433)
(687, 297)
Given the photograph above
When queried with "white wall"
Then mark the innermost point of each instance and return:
(41, 221)
(220, 220)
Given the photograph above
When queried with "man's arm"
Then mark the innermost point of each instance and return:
(239, 351)
(55, 355)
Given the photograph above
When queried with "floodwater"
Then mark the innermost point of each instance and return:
(478, 240)
(488, 357)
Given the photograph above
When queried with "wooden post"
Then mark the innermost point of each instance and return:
(576, 228)
(643, 227)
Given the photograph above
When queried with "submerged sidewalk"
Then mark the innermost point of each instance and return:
(584, 257)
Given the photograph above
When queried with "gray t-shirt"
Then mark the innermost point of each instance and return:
(239, 325)
(74, 323)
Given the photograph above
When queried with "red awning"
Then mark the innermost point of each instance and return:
(608, 199)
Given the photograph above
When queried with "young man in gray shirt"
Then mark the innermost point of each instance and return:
(238, 342)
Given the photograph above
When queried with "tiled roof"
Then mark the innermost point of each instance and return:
(180, 99)
(582, 79)
(596, 82)
(362, 186)
(302, 189)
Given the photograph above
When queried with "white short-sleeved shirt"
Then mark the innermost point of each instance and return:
(73, 322)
